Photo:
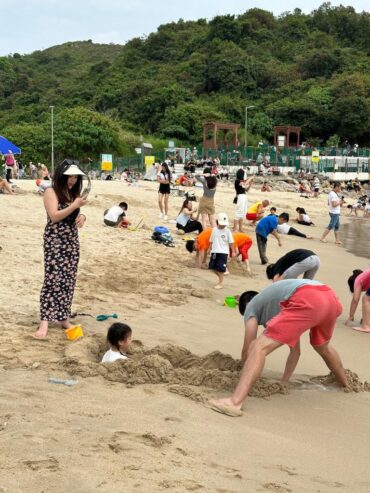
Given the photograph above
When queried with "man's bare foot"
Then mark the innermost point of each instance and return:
(309, 237)
(227, 273)
(338, 242)
(218, 286)
(362, 329)
(225, 406)
(323, 241)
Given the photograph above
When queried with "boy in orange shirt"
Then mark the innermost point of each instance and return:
(201, 244)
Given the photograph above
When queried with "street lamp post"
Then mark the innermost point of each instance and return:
(52, 140)
(246, 126)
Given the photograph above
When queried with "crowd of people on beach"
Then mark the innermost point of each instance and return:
(287, 308)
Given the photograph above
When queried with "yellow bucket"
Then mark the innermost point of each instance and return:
(74, 333)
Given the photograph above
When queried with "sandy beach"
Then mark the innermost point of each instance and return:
(143, 425)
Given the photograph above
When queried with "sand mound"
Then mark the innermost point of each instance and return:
(354, 382)
(187, 374)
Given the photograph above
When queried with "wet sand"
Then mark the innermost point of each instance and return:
(355, 236)
(142, 425)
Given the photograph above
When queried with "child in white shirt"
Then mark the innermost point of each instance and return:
(221, 242)
(119, 337)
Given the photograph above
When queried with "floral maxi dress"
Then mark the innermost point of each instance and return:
(61, 256)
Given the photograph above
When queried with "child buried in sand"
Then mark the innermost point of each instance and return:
(119, 337)
(221, 241)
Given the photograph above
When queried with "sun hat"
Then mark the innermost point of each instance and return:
(73, 170)
(222, 219)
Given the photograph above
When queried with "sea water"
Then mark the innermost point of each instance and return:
(355, 237)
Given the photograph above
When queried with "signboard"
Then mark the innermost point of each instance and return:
(171, 144)
(106, 162)
(281, 140)
(315, 157)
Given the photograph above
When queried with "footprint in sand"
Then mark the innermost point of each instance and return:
(276, 487)
(50, 464)
(148, 439)
(188, 485)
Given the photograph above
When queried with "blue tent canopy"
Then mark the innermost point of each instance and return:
(6, 146)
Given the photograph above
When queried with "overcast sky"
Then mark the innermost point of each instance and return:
(29, 25)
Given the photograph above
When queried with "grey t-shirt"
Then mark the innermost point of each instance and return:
(266, 305)
(208, 192)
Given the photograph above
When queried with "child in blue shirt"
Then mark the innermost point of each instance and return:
(268, 225)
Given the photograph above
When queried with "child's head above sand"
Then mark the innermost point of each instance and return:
(119, 337)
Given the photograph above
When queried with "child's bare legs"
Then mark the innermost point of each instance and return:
(246, 263)
(220, 276)
(365, 324)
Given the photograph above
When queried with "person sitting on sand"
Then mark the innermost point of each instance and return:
(186, 180)
(293, 264)
(266, 187)
(114, 216)
(273, 211)
(286, 309)
(119, 337)
(5, 187)
(303, 218)
(256, 211)
(185, 220)
(221, 242)
(359, 282)
(268, 225)
(43, 185)
(44, 173)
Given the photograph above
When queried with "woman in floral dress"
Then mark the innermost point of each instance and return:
(62, 202)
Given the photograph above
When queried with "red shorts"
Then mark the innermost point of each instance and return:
(251, 216)
(313, 308)
(243, 249)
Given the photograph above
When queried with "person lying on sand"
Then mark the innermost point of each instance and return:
(293, 264)
(286, 309)
(119, 337)
(359, 282)
(5, 187)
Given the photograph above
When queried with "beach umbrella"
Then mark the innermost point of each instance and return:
(6, 146)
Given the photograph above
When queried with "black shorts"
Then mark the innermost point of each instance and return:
(218, 262)
(164, 188)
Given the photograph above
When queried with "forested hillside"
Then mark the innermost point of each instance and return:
(308, 70)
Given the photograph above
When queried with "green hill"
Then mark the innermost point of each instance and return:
(308, 70)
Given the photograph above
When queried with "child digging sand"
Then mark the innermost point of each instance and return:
(221, 241)
(119, 337)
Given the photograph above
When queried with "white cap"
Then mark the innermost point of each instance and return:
(222, 219)
(73, 170)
